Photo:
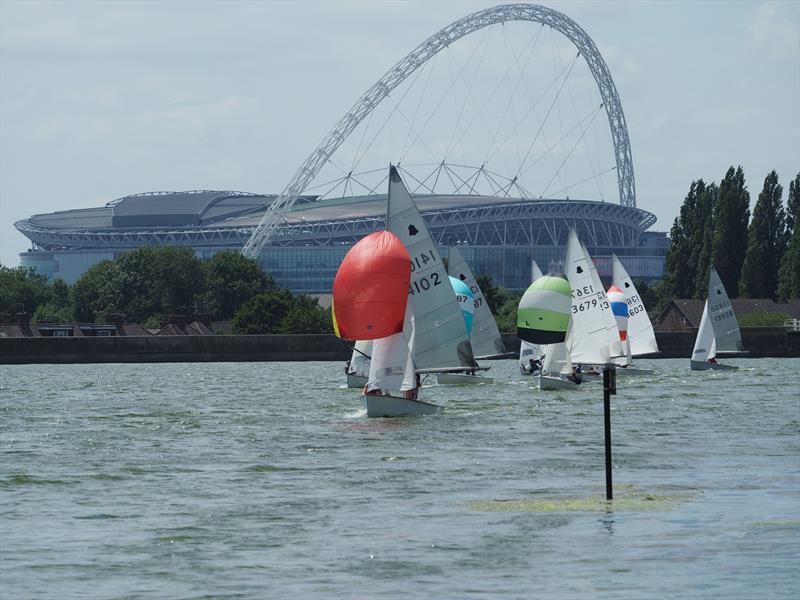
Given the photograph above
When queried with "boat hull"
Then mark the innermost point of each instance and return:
(356, 381)
(461, 379)
(701, 365)
(555, 383)
(393, 406)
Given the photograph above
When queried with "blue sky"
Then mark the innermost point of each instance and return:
(103, 99)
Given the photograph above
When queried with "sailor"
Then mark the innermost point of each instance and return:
(576, 376)
(534, 366)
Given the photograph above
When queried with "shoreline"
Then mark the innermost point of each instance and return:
(759, 341)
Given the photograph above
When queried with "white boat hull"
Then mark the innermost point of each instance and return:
(356, 381)
(461, 379)
(701, 365)
(394, 406)
(546, 382)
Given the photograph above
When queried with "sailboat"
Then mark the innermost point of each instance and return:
(440, 342)
(527, 350)
(718, 331)
(619, 307)
(641, 336)
(543, 318)
(370, 302)
(594, 330)
(484, 336)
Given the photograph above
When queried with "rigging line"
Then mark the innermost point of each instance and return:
(512, 95)
(411, 127)
(429, 67)
(484, 44)
(549, 110)
(467, 182)
(383, 125)
(490, 152)
(378, 185)
(361, 141)
(599, 180)
(436, 108)
(438, 174)
(474, 183)
(582, 181)
(532, 109)
(457, 176)
(449, 175)
(425, 179)
(591, 117)
(575, 145)
(557, 55)
(408, 174)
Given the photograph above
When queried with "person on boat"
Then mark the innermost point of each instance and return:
(713, 361)
(534, 366)
(576, 376)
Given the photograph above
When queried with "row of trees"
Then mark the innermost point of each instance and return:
(756, 258)
(150, 283)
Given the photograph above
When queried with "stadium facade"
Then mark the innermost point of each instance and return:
(497, 236)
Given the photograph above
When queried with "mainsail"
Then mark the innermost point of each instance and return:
(704, 346)
(392, 367)
(616, 349)
(640, 329)
(720, 312)
(441, 336)
(590, 339)
(485, 337)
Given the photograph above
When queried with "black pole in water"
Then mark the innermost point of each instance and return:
(609, 388)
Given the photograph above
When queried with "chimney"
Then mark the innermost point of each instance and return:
(24, 323)
(178, 320)
(118, 319)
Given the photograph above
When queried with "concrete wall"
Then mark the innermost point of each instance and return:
(760, 341)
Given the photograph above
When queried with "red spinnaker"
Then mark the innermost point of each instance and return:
(370, 291)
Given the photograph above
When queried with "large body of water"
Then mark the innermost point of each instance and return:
(267, 480)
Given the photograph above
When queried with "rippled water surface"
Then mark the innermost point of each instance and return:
(266, 480)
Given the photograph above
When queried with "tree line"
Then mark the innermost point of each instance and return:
(150, 283)
(755, 258)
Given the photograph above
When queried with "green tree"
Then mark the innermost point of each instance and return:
(264, 313)
(703, 239)
(680, 262)
(494, 296)
(766, 242)
(306, 316)
(789, 271)
(22, 290)
(731, 217)
(230, 281)
(506, 316)
(96, 293)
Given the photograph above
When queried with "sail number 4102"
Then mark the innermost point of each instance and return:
(423, 284)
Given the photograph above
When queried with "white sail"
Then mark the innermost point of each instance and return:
(720, 312)
(485, 337)
(557, 358)
(441, 335)
(640, 329)
(616, 349)
(359, 361)
(590, 342)
(536, 272)
(392, 367)
(704, 346)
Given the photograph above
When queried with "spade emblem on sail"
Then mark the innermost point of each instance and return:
(627, 285)
(462, 277)
(719, 292)
(412, 230)
(580, 270)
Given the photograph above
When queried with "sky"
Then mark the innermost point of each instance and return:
(99, 100)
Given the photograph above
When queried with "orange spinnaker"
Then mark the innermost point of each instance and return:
(370, 290)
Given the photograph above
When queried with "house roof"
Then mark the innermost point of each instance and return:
(692, 309)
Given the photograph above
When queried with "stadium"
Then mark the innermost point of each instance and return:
(498, 236)
(497, 175)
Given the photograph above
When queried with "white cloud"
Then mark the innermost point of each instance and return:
(774, 26)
